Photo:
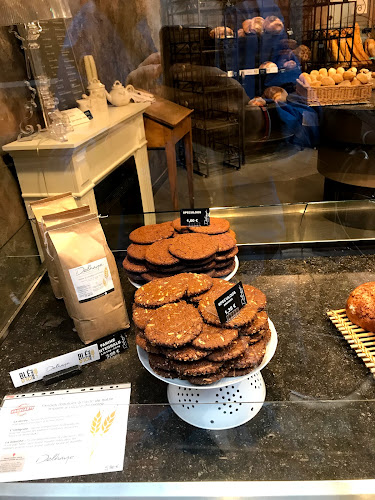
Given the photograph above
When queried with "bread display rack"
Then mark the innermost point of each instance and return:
(362, 342)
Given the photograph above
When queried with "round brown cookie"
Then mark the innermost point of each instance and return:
(233, 234)
(224, 263)
(160, 362)
(166, 269)
(186, 353)
(158, 254)
(213, 337)
(141, 341)
(160, 291)
(137, 252)
(176, 224)
(261, 335)
(253, 356)
(224, 271)
(216, 226)
(174, 325)
(205, 268)
(235, 349)
(224, 241)
(202, 262)
(208, 310)
(165, 373)
(146, 235)
(255, 297)
(195, 368)
(259, 323)
(208, 379)
(141, 316)
(197, 283)
(216, 283)
(133, 268)
(193, 246)
(236, 372)
(227, 255)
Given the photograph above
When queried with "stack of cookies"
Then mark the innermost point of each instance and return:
(177, 324)
(162, 250)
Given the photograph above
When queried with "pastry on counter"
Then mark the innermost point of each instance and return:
(360, 306)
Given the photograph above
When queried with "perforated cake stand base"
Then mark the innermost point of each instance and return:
(219, 408)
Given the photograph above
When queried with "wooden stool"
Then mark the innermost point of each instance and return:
(165, 124)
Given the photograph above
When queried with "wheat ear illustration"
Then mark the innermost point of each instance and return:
(95, 425)
(108, 422)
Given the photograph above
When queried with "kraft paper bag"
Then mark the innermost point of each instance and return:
(40, 208)
(88, 276)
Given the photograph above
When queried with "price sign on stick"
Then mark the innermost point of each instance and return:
(195, 217)
(230, 303)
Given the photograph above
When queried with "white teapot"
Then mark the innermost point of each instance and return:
(120, 95)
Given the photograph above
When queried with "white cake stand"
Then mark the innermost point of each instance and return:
(225, 404)
(227, 278)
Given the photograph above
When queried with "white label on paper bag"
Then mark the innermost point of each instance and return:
(92, 280)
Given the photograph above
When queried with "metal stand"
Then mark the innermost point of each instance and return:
(219, 408)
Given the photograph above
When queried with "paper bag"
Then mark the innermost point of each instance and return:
(45, 206)
(89, 277)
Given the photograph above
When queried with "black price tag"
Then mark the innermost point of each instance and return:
(195, 217)
(88, 114)
(230, 303)
(263, 71)
(112, 345)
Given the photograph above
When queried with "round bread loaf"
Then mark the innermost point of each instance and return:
(332, 71)
(340, 70)
(360, 306)
(254, 25)
(316, 83)
(361, 77)
(348, 75)
(344, 83)
(278, 94)
(323, 72)
(315, 73)
(303, 53)
(257, 101)
(273, 24)
(241, 33)
(355, 82)
(337, 78)
(327, 81)
(268, 65)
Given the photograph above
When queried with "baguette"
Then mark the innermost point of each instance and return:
(344, 49)
(358, 50)
(335, 52)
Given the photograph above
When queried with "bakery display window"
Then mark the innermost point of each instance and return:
(188, 207)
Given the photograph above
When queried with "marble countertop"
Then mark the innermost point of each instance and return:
(318, 419)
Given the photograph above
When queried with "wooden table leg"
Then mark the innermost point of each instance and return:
(189, 166)
(170, 150)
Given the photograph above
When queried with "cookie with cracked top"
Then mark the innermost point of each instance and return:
(213, 337)
(158, 254)
(217, 282)
(137, 252)
(233, 350)
(193, 246)
(161, 291)
(216, 226)
(174, 325)
(195, 368)
(197, 283)
(146, 235)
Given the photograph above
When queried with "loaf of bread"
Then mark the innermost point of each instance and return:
(273, 24)
(337, 78)
(360, 306)
(327, 81)
(348, 75)
(277, 94)
(221, 32)
(303, 53)
(268, 65)
(241, 33)
(370, 47)
(362, 78)
(253, 26)
(257, 101)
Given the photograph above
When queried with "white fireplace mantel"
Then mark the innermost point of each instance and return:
(46, 167)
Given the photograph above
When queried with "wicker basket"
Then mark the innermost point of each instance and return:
(324, 96)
